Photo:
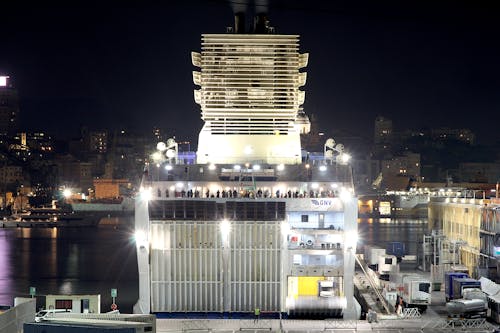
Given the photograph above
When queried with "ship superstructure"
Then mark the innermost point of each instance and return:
(249, 96)
(252, 225)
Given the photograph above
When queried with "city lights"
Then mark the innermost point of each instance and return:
(67, 193)
(3, 81)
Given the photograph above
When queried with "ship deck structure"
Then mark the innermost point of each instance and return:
(252, 225)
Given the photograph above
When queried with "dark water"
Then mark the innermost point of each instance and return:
(94, 260)
(69, 261)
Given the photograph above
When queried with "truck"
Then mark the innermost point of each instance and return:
(460, 284)
(473, 304)
(372, 255)
(413, 289)
(387, 265)
(448, 283)
(467, 308)
(396, 249)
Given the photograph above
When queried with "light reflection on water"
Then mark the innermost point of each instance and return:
(379, 232)
(69, 260)
(94, 260)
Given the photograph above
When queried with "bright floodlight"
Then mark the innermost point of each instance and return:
(67, 193)
(211, 167)
(141, 239)
(171, 153)
(237, 167)
(351, 239)
(345, 195)
(345, 158)
(161, 146)
(256, 167)
(168, 167)
(145, 193)
(225, 228)
(285, 228)
(281, 167)
(3, 81)
(156, 156)
(322, 168)
(248, 150)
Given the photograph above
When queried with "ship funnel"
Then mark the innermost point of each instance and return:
(261, 24)
(239, 23)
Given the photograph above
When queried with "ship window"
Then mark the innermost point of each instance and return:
(305, 218)
(388, 261)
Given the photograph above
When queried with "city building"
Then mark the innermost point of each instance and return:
(98, 142)
(383, 136)
(73, 173)
(470, 230)
(9, 107)
(398, 172)
(459, 134)
(479, 172)
(251, 227)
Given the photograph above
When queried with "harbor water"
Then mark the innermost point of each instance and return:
(93, 260)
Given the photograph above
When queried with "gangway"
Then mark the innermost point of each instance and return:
(382, 300)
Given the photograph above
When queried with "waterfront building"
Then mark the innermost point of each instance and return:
(470, 226)
(251, 225)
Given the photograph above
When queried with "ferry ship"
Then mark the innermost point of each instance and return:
(251, 226)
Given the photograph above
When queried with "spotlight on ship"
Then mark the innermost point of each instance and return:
(237, 167)
(281, 167)
(322, 168)
(211, 166)
(141, 239)
(256, 167)
(168, 167)
(145, 193)
(351, 239)
(345, 158)
(225, 228)
(345, 195)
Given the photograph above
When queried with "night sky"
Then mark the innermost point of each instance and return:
(112, 65)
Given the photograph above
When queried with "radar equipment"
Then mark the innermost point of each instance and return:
(172, 149)
(335, 152)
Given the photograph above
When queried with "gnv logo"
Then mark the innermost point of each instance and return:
(321, 202)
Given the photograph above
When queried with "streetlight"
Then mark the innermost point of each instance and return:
(67, 193)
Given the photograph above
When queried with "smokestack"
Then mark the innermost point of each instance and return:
(261, 24)
(239, 23)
